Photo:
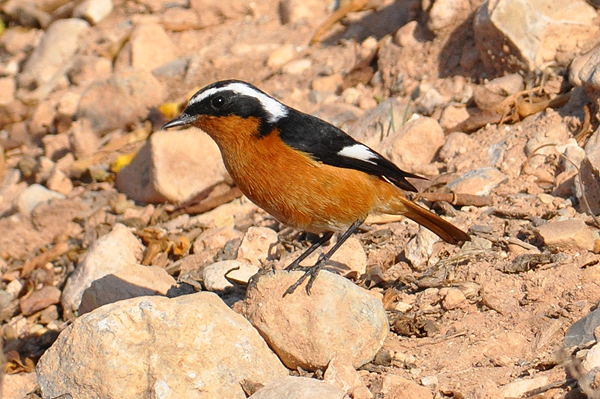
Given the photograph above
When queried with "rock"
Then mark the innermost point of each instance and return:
(228, 215)
(144, 41)
(405, 36)
(172, 166)
(428, 99)
(457, 143)
(505, 85)
(88, 68)
(55, 51)
(217, 276)
(420, 247)
(478, 181)
(297, 67)
(350, 260)
(16, 41)
(83, 139)
(18, 386)
(93, 11)
(7, 90)
(453, 298)
(330, 84)
(517, 388)
(377, 123)
(298, 388)
(40, 299)
(446, 13)
(341, 374)
(281, 56)
(581, 333)
(129, 282)
(567, 235)
(60, 182)
(34, 195)
(592, 358)
(56, 145)
(415, 143)
(543, 141)
(308, 331)
(137, 91)
(179, 19)
(452, 115)
(191, 346)
(257, 244)
(552, 27)
(110, 253)
(394, 386)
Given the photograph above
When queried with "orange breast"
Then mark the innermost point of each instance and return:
(294, 188)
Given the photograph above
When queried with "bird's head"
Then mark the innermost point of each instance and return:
(231, 107)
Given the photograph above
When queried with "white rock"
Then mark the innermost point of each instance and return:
(33, 195)
(93, 11)
(129, 282)
(477, 181)
(110, 253)
(517, 388)
(592, 358)
(216, 276)
(337, 319)
(192, 346)
(299, 388)
(420, 247)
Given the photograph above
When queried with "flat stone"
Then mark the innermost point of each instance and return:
(40, 299)
(570, 234)
(517, 388)
(191, 346)
(172, 166)
(581, 333)
(395, 386)
(308, 331)
(217, 276)
(129, 282)
(145, 39)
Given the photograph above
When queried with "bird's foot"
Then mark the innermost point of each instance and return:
(311, 272)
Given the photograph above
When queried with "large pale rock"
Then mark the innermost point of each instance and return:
(129, 282)
(514, 35)
(415, 143)
(121, 100)
(299, 388)
(56, 49)
(337, 319)
(192, 346)
(172, 166)
(110, 253)
(570, 234)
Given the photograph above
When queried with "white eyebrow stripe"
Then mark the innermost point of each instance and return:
(274, 108)
(358, 151)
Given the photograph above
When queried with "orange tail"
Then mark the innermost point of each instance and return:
(446, 230)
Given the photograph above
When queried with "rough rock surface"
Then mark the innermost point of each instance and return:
(191, 346)
(302, 329)
(299, 388)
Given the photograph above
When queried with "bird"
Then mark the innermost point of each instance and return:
(305, 172)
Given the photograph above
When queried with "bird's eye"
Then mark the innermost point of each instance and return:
(218, 102)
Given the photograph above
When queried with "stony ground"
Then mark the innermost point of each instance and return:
(513, 160)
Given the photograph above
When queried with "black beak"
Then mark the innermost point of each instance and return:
(183, 120)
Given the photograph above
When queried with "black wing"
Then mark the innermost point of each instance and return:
(330, 145)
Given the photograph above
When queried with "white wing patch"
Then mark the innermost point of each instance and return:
(358, 151)
(274, 108)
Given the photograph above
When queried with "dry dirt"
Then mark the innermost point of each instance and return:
(512, 324)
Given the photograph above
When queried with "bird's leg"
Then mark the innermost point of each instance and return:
(322, 240)
(313, 271)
